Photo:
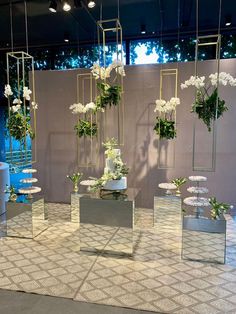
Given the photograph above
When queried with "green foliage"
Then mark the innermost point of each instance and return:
(109, 95)
(179, 181)
(218, 208)
(86, 128)
(165, 128)
(75, 177)
(19, 126)
(205, 107)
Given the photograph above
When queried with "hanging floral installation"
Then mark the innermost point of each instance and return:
(84, 126)
(109, 92)
(208, 106)
(165, 125)
(18, 123)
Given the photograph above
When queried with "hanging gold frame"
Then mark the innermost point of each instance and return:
(209, 40)
(165, 73)
(93, 140)
(20, 58)
(103, 28)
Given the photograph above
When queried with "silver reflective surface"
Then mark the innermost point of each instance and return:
(26, 220)
(106, 223)
(204, 239)
(167, 212)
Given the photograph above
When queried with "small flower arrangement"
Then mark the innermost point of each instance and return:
(75, 178)
(208, 106)
(12, 193)
(18, 123)
(178, 182)
(165, 124)
(110, 93)
(217, 208)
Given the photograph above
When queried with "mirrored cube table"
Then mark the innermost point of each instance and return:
(167, 212)
(203, 239)
(106, 222)
(26, 219)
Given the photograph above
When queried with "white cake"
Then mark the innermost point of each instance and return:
(114, 185)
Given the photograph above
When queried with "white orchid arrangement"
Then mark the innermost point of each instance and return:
(85, 126)
(165, 124)
(120, 168)
(110, 93)
(18, 123)
(208, 105)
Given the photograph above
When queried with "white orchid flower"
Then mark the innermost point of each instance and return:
(26, 93)
(17, 101)
(16, 108)
(8, 92)
(90, 106)
(34, 105)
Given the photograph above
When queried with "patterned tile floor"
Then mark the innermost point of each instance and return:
(154, 278)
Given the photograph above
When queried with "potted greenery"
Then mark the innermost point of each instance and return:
(218, 209)
(75, 178)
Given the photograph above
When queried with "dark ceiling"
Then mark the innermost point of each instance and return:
(47, 29)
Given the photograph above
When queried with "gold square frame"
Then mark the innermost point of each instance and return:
(209, 40)
(20, 58)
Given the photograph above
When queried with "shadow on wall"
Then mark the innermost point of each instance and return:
(145, 155)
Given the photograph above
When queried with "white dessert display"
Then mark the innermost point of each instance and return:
(115, 171)
(197, 201)
(112, 161)
(168, 187)
(197, 178)
(29, 191)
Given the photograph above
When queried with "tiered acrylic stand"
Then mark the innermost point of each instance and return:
(29, 191)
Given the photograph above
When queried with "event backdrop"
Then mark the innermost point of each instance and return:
(57, 145)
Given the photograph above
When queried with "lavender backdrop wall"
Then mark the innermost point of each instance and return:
(57, 145)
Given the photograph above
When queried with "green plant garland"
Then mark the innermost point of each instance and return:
(109, 95)
(19, 126)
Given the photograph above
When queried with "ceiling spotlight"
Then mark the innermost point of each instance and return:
(143, 29)
(52, 6)
(91, 4)
(228, 20)
(66, 6)
(66, 37)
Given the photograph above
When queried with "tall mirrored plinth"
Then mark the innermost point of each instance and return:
(106, 222)
(204, 239)
(26, 219)
(168, 212)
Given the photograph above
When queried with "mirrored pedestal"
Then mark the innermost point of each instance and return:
(75, 207)
(167, 212)
(26, 219)
(106, 222)
(204, 239)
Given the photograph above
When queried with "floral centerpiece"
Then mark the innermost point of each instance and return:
(208, 106)
(110, 93)
(217, 208)
(18, 123)
(120, 168)
(85, 126)
(75, 178)
(165, 124)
